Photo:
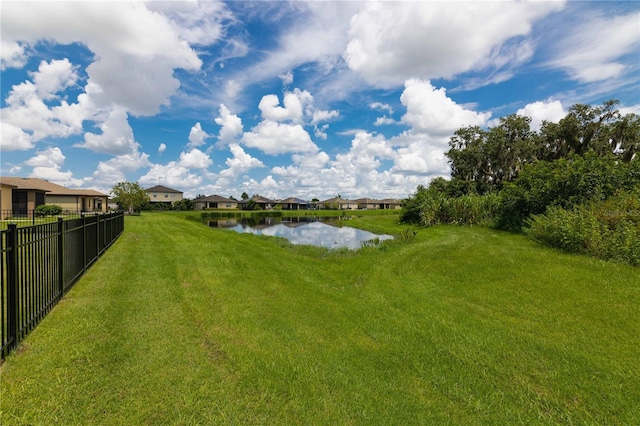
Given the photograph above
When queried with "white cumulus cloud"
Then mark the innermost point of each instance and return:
(540, 111)
(293, 109)
(116, 137)
(391, 42)
(430, 110)
(110, 172)
(195, 159)
(27, 118)
(197, 136)
(279, 138)
(230, 126)
(50, 157)
(47, 164)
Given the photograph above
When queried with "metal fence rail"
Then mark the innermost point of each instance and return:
(27, 218)
(41, 263)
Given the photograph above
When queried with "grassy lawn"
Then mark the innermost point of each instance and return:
(179, 323)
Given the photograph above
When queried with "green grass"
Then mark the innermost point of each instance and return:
(179, 323)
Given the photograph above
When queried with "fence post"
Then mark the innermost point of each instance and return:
(12, 286)
(98, 232)
(61, 256)
(84, 244)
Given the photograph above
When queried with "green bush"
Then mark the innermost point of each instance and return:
(563, 183)
(48, 210)
(606, 229)
(411, 206)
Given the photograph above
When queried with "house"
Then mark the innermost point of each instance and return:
(391, 204)
(6, 200)
(214, 202)
(368, 204)
(373, 204)
(293, 203)
(25, 194)
(162, 194)
(261, 202)
(338, 203)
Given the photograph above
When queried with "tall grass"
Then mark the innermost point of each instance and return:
(470, 209)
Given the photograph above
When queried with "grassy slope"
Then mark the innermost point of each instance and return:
(179, 323)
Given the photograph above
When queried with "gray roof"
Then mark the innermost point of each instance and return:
(293, 200)
(215, 199)
(258, 199)
(160, 188)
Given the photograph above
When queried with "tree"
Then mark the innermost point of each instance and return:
(412, 206)
(586, 128)
(467, 155)
(244, 196)
(129, 196)
(487, 159)
(252, 205)
(491, 158)
(184, 204)
(624, 137)
(564, 183)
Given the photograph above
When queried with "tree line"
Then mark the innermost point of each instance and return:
(574, 184)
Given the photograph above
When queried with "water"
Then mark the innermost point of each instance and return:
(304, 230)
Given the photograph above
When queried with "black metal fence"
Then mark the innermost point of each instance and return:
(41, 263)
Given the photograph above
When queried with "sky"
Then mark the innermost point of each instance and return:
(292, 99)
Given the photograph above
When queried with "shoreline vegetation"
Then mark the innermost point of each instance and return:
(179, 323)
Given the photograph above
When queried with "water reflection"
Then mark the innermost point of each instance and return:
(302, 230)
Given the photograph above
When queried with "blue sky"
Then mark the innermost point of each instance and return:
(305, 99)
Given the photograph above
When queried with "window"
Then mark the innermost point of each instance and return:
(166, 195)
(155, 195)
(173, 195)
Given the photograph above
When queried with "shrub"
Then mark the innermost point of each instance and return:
(606, 229)
(564, 183)
(48, 210)
(411, 206)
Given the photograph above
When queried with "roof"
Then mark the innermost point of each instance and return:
(367, 201)
(51, 188)
(337, 200)
(258, 199)
(293, 200)
(214, 199)
(160, 188)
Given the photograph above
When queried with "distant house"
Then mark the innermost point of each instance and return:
(338, 204)
(368, 204)
(293, 203)
(258, 200)
(214, 202)
(373, 204)
(25, 194)
(391, 204)
(162, 194)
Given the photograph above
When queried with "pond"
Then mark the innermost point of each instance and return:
(302, 230)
